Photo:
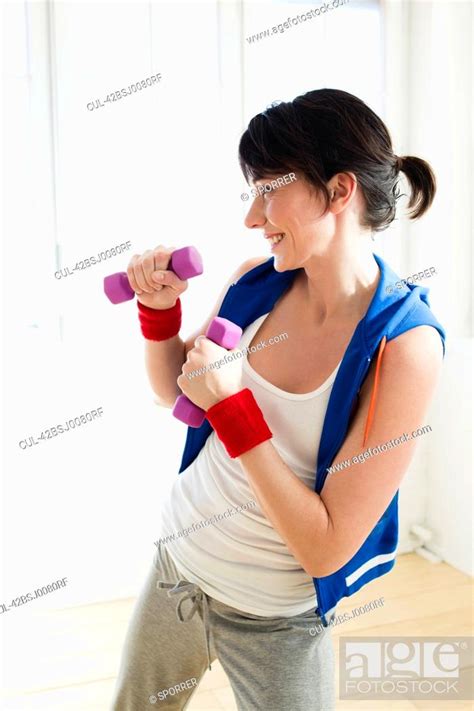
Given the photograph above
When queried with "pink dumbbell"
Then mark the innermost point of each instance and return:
(225, 334)
(185, 263)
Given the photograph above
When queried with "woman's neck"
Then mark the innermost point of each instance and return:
(338, 287)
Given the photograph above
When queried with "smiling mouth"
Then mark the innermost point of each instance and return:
(276, 239)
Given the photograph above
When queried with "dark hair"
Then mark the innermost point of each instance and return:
(329, 131)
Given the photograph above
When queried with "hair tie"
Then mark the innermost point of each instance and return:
(399, 163)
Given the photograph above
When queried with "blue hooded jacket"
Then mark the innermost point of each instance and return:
(391, 312)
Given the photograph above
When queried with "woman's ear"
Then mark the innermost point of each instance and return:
(341, 189)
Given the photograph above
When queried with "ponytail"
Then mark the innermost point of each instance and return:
(422, 182)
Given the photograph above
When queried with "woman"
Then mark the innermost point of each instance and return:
(356, 372)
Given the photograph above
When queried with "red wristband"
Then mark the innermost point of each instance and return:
(159, 324)
(239, 423)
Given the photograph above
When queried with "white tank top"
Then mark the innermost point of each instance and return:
(240, 559)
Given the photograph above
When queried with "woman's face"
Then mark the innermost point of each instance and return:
(294, 211)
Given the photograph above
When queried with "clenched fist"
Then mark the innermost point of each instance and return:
(154, 284)
(210, 374)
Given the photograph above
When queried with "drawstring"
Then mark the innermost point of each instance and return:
(198, 597)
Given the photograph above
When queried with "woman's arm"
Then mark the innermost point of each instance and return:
(325, 531)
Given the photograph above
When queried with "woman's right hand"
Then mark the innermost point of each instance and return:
(154, 284)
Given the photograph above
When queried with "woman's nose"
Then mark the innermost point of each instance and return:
(255, 216)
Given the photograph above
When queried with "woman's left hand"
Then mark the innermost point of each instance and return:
(207, 387)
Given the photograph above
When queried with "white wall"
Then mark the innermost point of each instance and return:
(449, 461)
(428, 97)
(87, 504)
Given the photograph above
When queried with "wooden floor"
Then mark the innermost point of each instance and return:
(67, 660)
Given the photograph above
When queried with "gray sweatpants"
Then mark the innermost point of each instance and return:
(176, 631)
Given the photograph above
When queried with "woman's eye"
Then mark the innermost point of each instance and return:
(259, 192)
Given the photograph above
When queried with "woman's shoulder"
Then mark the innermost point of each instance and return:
(421, 344)
(414, 357)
